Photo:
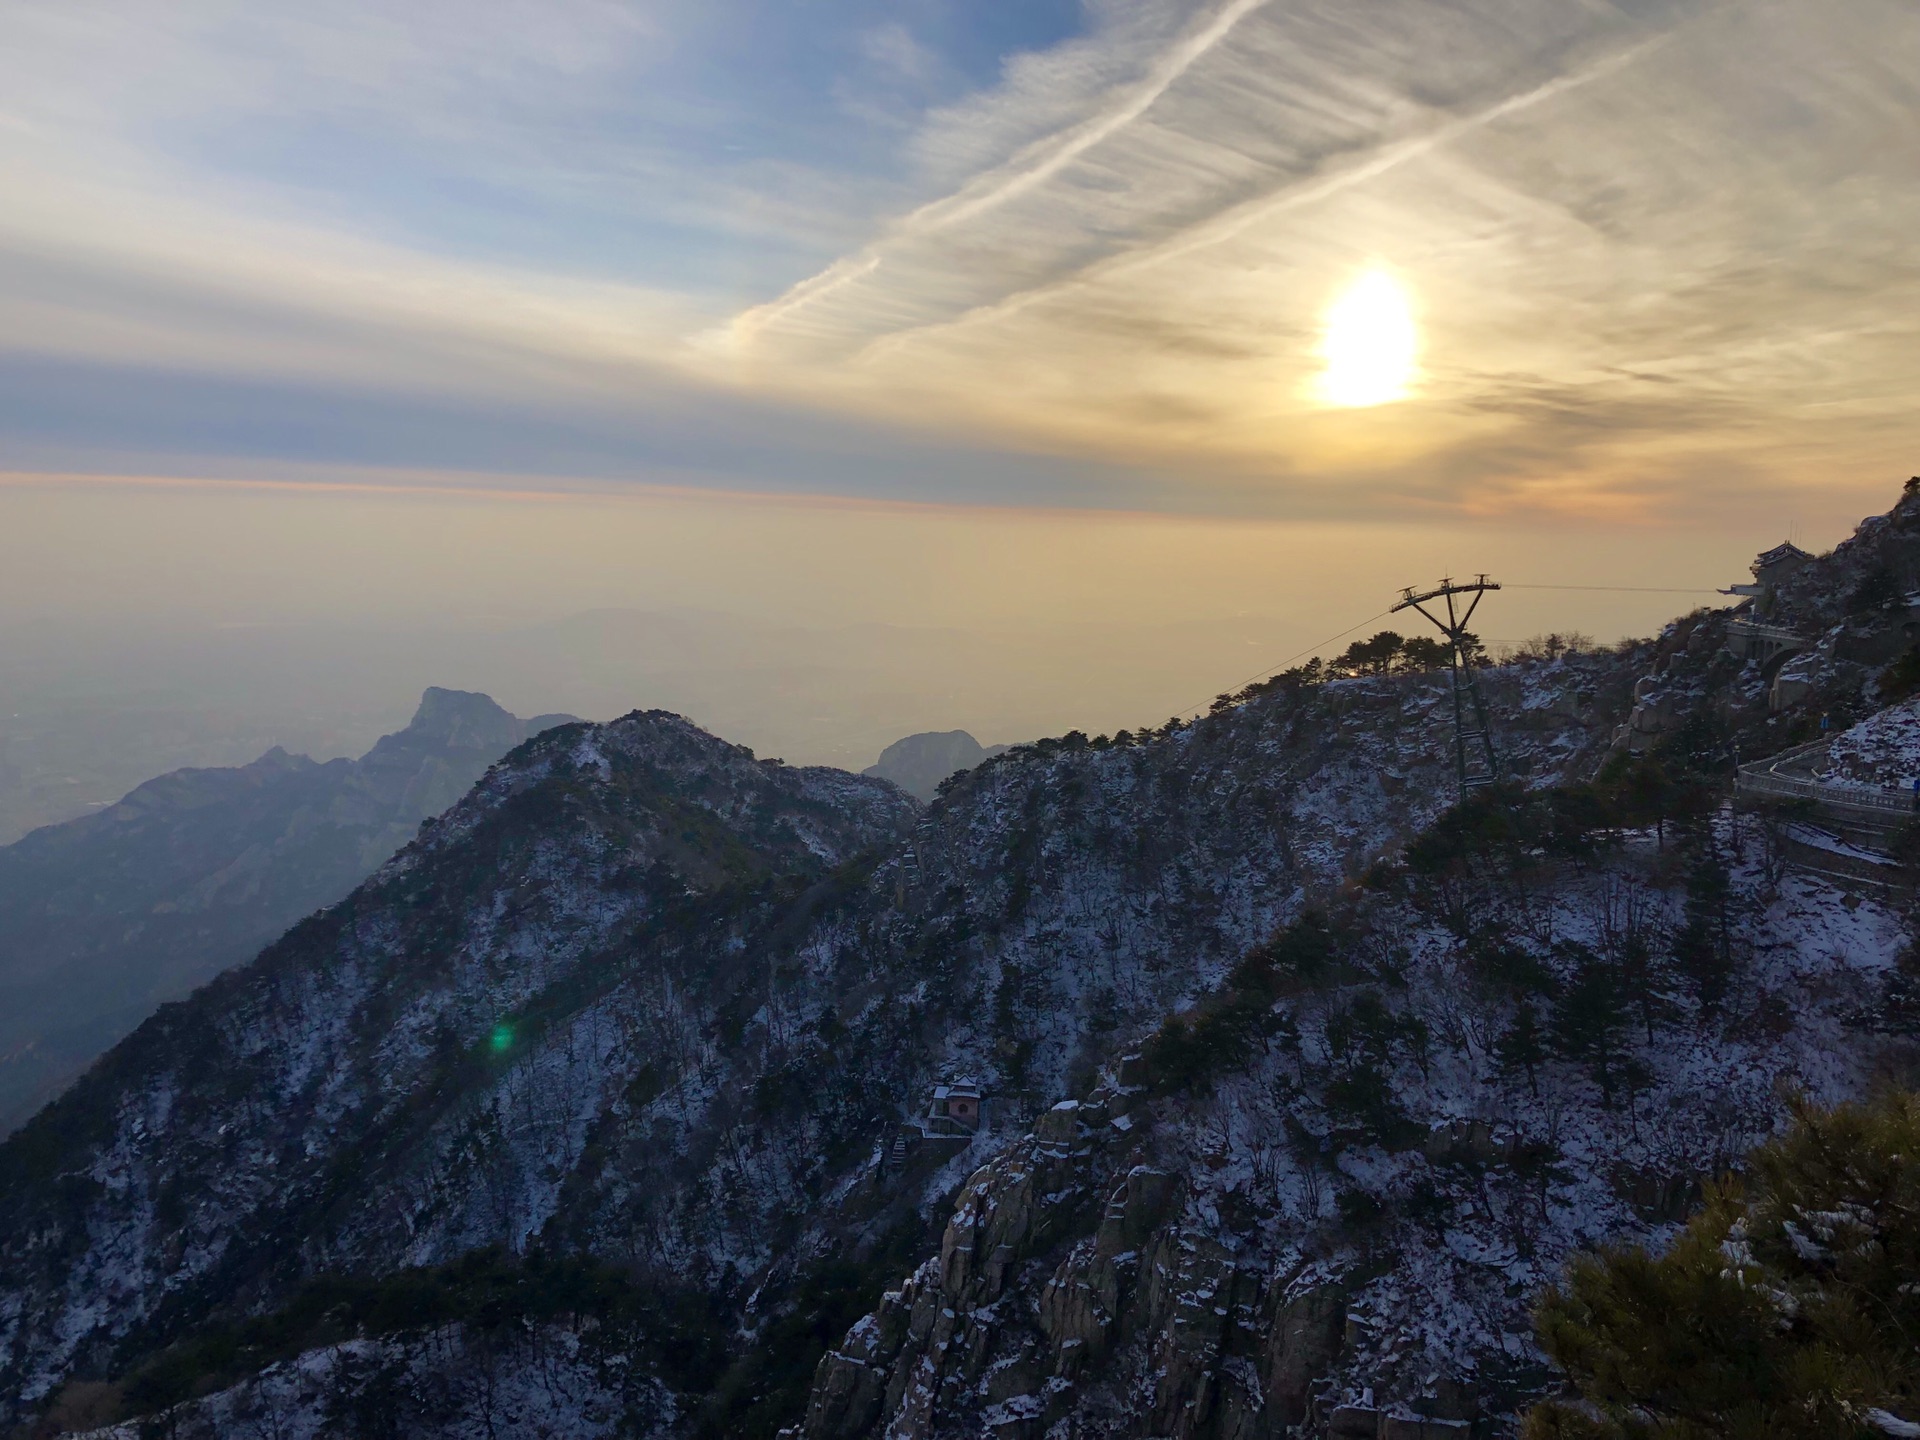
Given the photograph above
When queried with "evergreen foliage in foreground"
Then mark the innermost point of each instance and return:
(1790, 1306)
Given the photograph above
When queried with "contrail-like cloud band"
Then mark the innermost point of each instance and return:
(1027, 171)
(1295, 195)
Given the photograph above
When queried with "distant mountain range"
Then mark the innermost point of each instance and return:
(92, 710)
(920, 762)
(104, 918)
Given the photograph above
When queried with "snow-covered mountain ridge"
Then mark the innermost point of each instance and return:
(708, 1011)
(647, 1002)
(335, 1100)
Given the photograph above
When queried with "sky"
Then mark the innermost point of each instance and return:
(946, 315)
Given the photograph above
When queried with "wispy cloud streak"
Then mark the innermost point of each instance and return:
(1039, 164)
(1291, 195)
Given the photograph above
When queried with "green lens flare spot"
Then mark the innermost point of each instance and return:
(502, 1037)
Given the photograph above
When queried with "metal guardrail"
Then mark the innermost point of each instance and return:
(1766, 631)
(1763, 777)
(1847, 797)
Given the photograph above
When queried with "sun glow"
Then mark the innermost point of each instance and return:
(1369, 344)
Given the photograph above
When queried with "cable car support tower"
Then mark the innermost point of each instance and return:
(1473, 755)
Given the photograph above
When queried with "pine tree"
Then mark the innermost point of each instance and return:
(1374, 656)
(1641, 976)
(1507, 969)
(1703, 947)
(1643, 792)
(1590, 1020)
(1364, 1041)
(1522, 1047)
(1422, 652)
(1790, 1307)
(1900, 995)
(1900, 1001)
(1878, 589)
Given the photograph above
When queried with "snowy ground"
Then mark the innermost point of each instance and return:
(1883, 749)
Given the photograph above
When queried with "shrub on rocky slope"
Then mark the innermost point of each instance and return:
(1790, 1305)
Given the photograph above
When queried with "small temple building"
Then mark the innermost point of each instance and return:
(956, 1103)
(1770, 567)
(954, 1114)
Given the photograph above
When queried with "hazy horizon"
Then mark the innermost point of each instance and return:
(850, 626)
(1100, 351)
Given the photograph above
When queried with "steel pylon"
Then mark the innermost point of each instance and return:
(1473, 754)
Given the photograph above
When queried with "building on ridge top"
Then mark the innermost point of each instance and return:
(1750, 636)
(1769, 568)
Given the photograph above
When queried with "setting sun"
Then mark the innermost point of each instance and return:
(1369, 343)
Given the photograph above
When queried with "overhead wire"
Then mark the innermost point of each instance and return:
(1631, 589)
(1322, 644)
(1275, 669)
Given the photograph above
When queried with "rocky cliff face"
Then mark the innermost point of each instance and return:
(104, 918)
(1342, 1226)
